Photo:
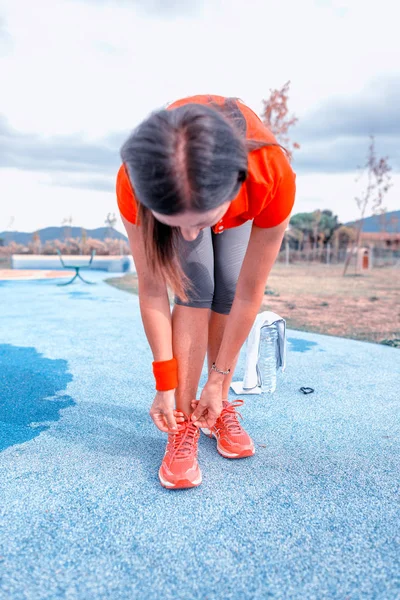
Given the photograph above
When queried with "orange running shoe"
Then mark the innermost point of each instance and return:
(179, 468)
(232, 440)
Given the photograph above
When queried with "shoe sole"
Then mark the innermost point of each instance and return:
(225, 453)
(180, 484)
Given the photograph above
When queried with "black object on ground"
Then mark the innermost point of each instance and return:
(307, 390)
(394, 343)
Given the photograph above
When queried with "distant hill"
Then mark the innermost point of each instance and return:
(58, 233)
(390, 223)
(372, 224)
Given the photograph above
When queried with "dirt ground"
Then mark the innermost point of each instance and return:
(318, 298)
(14, 274)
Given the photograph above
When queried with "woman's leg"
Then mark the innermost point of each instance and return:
(216, 327)
(189, 341)
(229, 251)
(190, 321)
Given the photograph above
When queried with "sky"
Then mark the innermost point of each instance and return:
(79, 75)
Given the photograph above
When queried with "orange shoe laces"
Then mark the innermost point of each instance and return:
(183, 443)
(229, 416)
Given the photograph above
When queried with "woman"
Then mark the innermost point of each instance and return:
(205, 193)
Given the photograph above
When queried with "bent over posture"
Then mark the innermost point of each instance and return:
(205, 193)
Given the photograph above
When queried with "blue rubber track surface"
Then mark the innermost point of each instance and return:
(314, 514)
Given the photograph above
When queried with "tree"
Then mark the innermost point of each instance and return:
(67, 224)
(343, 236)
(316, 233)
(275, 117)
(316, 226)
(378, 182)
(328, 224)
(303, 222)
(10, 223)
(83, 240)
(294, 237)
(36, 243)
(110, 221)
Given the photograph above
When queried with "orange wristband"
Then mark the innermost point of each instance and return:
(166, 374)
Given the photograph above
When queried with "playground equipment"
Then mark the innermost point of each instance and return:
(77, 269)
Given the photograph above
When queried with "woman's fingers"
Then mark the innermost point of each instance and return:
(211, 419)
(170, 419)
(165, 421)
(159, 421)
(201, 423)
(205, 422)
(208, 419)
(179, 416)
(198, 412)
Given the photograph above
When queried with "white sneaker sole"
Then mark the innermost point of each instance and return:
(170, 485)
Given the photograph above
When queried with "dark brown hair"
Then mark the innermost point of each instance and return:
(193, 157)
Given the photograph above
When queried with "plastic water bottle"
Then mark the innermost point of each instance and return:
(267, 353)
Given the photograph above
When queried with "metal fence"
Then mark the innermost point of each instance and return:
(379, 257)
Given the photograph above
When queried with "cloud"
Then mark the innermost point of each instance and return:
(376, 111)
(60, 153)
(5, 38)
(158, 8)
(334, 137)
(343, 154)
(87, 183)
(3, 30)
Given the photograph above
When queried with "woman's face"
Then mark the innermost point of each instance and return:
(191, 223)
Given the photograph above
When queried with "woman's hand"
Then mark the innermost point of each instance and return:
(163, 413)
(209, 407)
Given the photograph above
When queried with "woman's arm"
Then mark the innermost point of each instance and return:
(153, 298)
(156, 316)
(262, 250)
